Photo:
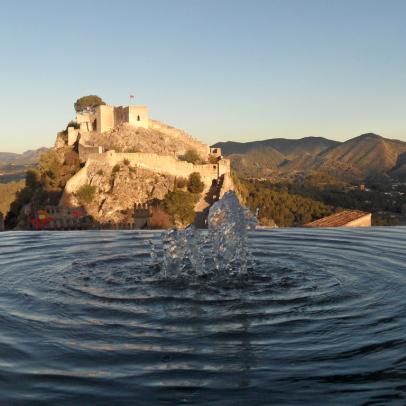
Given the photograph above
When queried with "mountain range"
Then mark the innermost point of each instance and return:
(366, 157)
(29, 157)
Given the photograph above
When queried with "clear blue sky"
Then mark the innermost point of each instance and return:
(220, 69)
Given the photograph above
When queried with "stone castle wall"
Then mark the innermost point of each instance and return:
(74, 184)
(162, 163)
(85, 151)
(73, 135)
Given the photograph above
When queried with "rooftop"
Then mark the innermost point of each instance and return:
(339, 219)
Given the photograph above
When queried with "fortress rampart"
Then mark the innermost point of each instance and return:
(85, 151)
(73, 185)
(163, 163)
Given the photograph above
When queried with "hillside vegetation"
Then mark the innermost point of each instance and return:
(8, 192)
(279, 207)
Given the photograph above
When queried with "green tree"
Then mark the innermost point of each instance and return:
(195, 184)
(50, 169)
(180, 205)
(192, 156)
(33, 179)
(88, 101)
(31, 193)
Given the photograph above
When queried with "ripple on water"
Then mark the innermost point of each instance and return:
(321, 315)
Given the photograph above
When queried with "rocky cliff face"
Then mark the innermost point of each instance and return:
(117, 188)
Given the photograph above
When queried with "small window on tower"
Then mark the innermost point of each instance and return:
(138, 118)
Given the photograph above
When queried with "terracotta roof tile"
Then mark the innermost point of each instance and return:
(339, 219)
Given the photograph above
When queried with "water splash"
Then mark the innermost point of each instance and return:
(229, 223)
(183, 252)
(223, 250)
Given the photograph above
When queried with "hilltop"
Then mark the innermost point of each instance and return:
(158, 138)
(361, 158)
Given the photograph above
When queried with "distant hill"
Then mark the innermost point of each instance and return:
(29, 157)
(257, 162)
(363, 157)
(286, 147)
(14, 166)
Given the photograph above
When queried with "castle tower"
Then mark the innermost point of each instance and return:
(104, 118)
(138, 116)
(108, 117)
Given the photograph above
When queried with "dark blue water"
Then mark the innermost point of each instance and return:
(321, 319)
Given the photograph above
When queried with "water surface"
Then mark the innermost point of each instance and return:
(321, 319)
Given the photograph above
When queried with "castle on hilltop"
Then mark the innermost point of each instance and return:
(103, 118)
(106, 136)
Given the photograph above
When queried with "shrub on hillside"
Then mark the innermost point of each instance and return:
(88, 101)
(86, 193)
(116, 168)
(181, 183)
(195, 184)
(126, 162)
(192, 156)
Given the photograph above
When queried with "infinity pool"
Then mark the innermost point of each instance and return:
(319, 319)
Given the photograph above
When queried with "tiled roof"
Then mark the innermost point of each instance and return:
(339, 219)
